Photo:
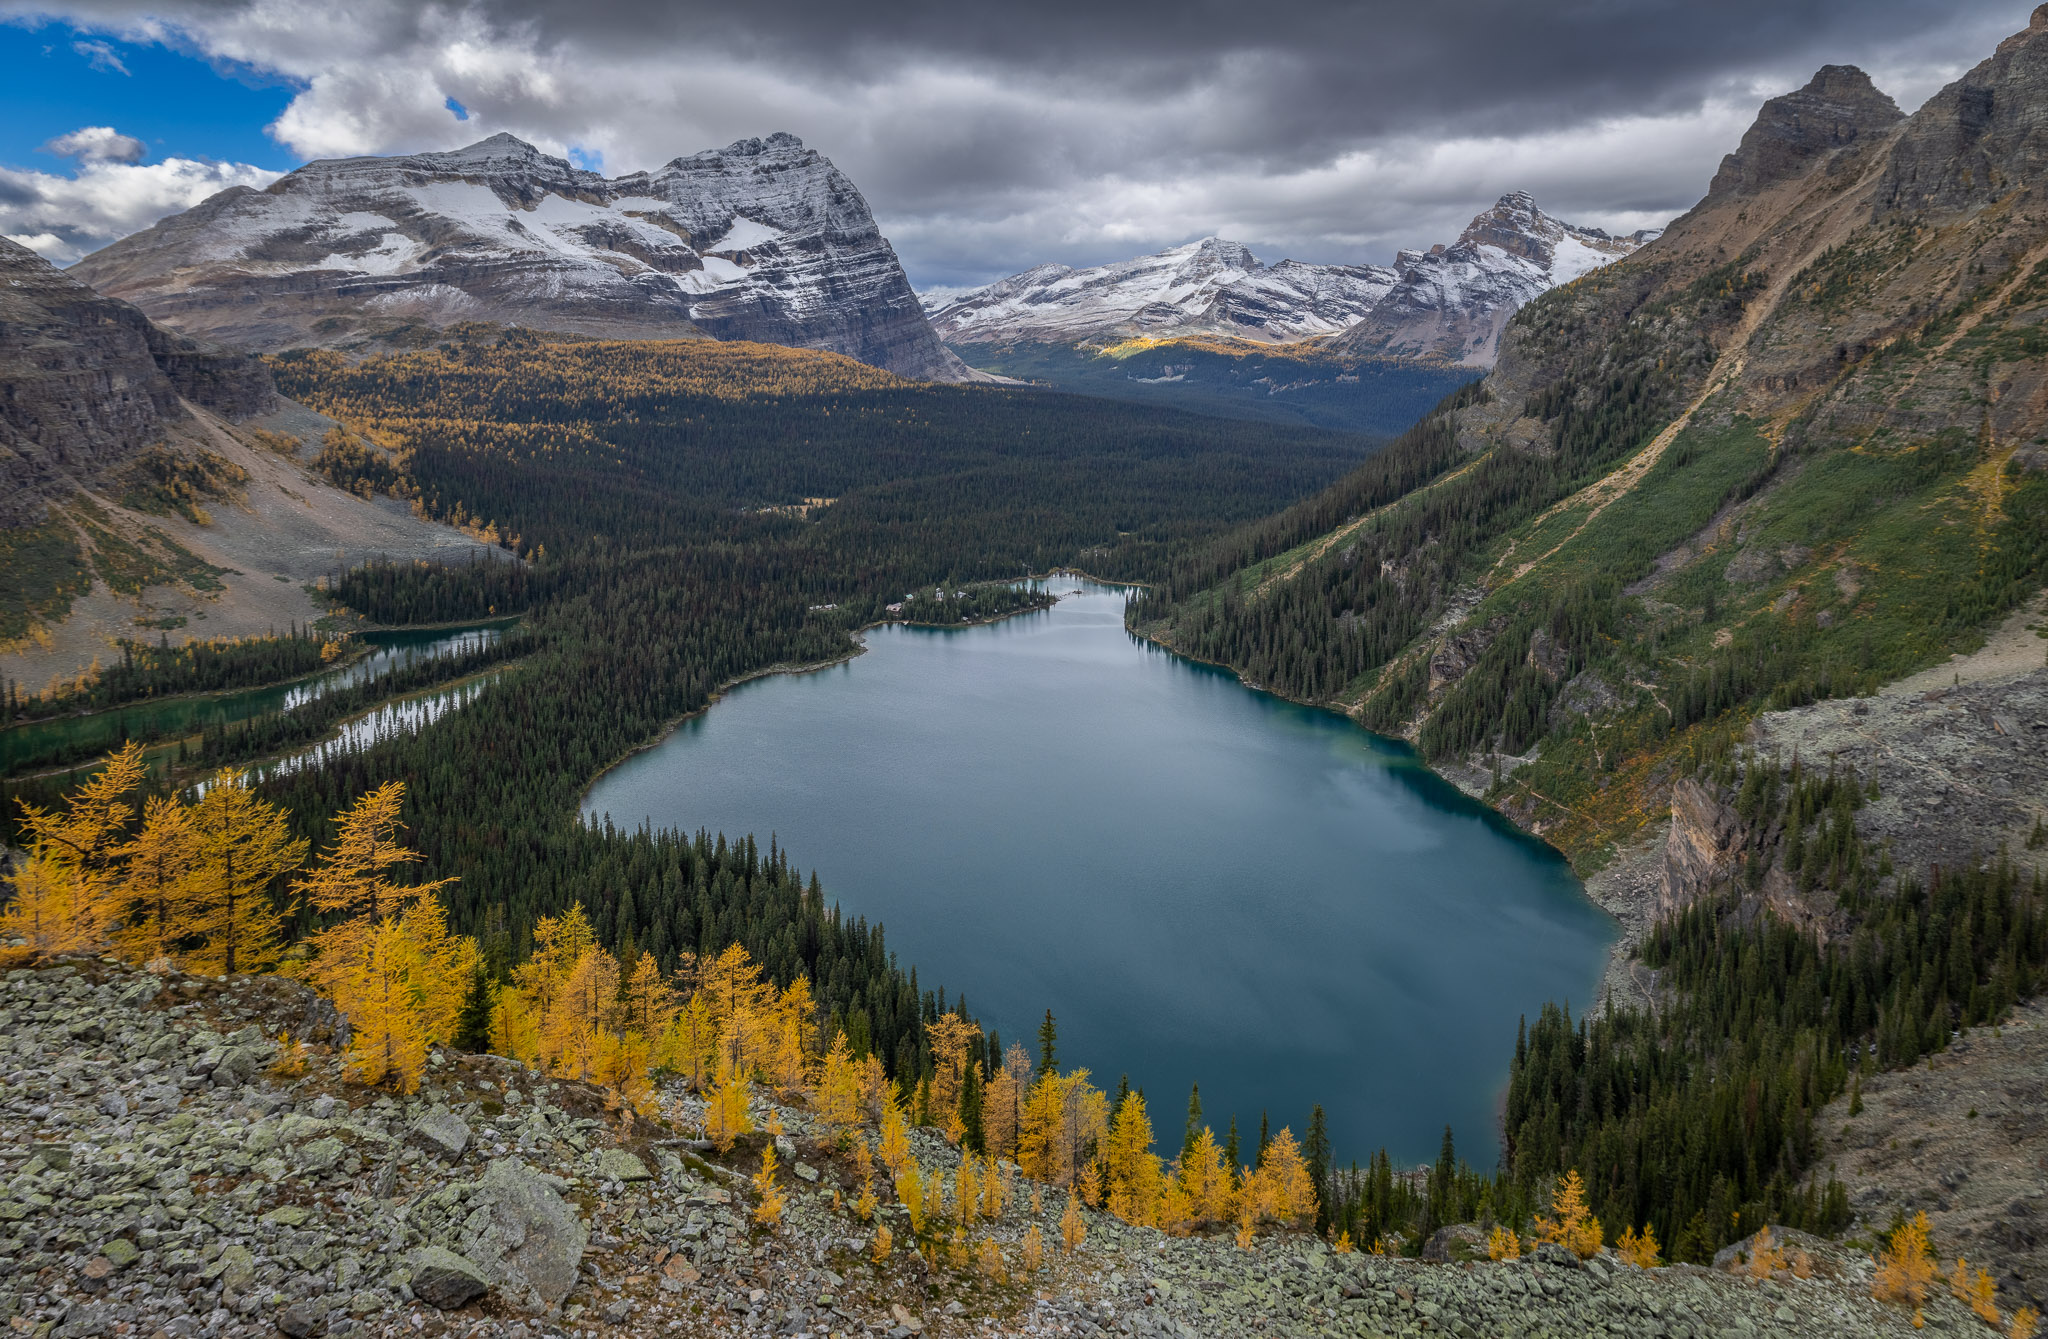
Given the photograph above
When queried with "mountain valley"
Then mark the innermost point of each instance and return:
(1710, 563)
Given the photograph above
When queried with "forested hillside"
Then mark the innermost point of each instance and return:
(1792, 450)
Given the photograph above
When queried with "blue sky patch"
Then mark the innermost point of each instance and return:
(60, 79)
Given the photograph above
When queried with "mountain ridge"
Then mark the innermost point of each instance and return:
(1443, 303)
(763, 240)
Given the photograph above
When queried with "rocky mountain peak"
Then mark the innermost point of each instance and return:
(1445, 301)
(1452, 302)
(761, 240)
(1838, 107)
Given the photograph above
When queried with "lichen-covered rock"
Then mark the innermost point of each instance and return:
(443, 1279)
(523, 1236)
(619, 1164)
(441, 1133)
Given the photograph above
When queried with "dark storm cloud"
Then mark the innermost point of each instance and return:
(991, 137)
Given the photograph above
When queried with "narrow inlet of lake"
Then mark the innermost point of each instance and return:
(1204, 883)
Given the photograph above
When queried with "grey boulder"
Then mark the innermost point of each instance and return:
(621, 1165)
(523, 1236)
(441, 1133)
(443, 1279)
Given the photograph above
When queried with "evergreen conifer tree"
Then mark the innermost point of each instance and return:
(1048, 1037)
(971, 1135)
(1317, 1152)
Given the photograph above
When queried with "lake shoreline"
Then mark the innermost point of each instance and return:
(1614, 888)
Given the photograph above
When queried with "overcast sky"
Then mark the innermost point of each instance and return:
(986, 138)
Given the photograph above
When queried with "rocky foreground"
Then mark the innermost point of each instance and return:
(157, 1179)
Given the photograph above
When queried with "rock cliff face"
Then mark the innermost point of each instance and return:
(87, 382)
(763, 240)
(1447, 302)
(1838, 107)
(1981, 137)
(1701, 853)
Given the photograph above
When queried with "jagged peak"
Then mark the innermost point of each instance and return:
(1838, 107)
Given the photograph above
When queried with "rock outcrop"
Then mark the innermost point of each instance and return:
(761, 240)
(522, 1236)
(1701, 852)
(87, 382)
(1980, 138)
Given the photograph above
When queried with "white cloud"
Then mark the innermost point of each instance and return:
(62, 218)
(100, 56)
(982, 156)
(98, 144)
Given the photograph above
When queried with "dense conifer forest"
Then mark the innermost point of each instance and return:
(695, 514)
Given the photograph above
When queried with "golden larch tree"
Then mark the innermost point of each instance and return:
(838, 1100)
(149, 904)
(388, 959)
(1135, 1181)
(244, 848)
(62, 892)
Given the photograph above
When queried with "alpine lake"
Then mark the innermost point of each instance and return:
(1205, 883)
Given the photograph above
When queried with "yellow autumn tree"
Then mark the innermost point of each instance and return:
(895, 1150)
(725, 1115)
(949, 1036)
(149, 902)
(62, 891)
(245, 847)
(1280, 1188)
(50, 911)
(794, 1028)
(738, 997)
(1638, 1248)
(1063, 1118)
(1907, 1265)
(387, 959)
(650, 1001)
(689, 1044)
(85, 836)
(768, 1205)
(1574, 1227)
(1002, 1102)
(838, 1099)
(1135, 1179)
(1073, 1230)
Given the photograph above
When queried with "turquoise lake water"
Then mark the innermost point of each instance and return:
(1203, 882)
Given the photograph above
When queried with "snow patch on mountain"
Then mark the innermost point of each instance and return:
(1209, 286)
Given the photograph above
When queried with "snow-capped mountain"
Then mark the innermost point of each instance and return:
(1206, 287)
(1447, 302)
(1452, 301)
(762, 240)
